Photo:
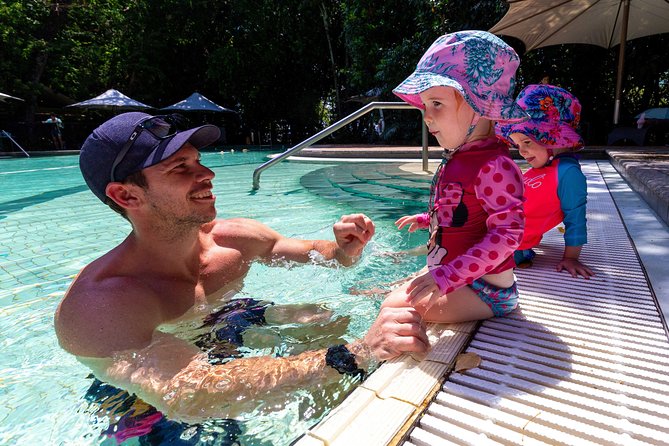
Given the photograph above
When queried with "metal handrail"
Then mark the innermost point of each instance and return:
(333, 128)
(7, 135)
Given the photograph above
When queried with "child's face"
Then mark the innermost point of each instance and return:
(533, 152)
(447, 115)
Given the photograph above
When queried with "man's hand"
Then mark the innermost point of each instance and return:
(574, 267)
(352, 232)
(415, 222)
(396, 331)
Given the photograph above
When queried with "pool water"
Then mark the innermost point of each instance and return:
(52, 226)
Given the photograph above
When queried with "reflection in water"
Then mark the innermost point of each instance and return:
(226, 327)
(241, 327)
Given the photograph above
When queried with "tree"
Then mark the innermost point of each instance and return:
(290, 67)
(274, 62)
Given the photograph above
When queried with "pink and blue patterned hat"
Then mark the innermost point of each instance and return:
(554, 117)
(477, 64)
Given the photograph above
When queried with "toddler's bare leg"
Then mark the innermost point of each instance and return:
(459, 306)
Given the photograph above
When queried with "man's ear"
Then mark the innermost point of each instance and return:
(124, 195)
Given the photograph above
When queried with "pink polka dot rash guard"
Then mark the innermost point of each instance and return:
(476, 221)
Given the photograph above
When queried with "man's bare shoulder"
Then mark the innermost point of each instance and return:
(240, 227)
(102, 314)
(243, 234)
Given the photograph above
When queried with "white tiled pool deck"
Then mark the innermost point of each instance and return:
(581, 362)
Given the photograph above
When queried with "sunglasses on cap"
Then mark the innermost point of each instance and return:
(159, 127)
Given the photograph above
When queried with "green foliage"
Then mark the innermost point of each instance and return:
(286, 66)
(21, 40)
(86, 54)
(273, 61)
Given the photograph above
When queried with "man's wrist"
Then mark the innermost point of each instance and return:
(344, 258)
(340, 358)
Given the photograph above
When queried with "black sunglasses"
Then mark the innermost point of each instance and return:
(160, 127)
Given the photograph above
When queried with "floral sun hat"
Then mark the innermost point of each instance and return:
(477, 64)
(554, 117)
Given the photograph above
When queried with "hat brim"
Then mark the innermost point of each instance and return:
(198, 137)
(564, 137)
(419, 81)
(503, 110)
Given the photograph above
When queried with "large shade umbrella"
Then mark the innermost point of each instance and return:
(111, 100)
(197, 102)
(4, 97)
(661, 113)
(605, 23)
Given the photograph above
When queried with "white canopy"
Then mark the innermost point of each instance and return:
(111, 100)
(197, 102)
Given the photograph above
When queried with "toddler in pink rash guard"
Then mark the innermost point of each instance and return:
(464, 83)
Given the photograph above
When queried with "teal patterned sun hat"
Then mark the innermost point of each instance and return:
(479, 65)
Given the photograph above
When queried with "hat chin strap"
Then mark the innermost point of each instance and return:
(470, 130)
(551, 156)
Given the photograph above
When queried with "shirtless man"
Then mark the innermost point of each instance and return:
(179, 256)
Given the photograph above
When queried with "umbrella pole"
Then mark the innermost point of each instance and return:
(621, 61)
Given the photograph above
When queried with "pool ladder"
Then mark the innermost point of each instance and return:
(336, 126)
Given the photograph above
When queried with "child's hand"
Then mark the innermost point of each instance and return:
(574, 267)
(414, 222)
(422, 287)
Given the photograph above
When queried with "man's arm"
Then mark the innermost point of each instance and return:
(176, 378)
(351, 232)
(99, 317)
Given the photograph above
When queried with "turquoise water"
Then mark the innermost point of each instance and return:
(52, 226)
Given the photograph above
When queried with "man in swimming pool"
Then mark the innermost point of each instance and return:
(179, 256)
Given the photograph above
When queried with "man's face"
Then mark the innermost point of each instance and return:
(179, 189)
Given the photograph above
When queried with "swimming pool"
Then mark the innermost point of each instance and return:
(52, 226)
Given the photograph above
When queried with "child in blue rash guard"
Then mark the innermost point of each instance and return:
(555, 187)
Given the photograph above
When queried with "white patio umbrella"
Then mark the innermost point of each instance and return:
(197, 102)
(4, 97)
(111, 100)
(605, 23)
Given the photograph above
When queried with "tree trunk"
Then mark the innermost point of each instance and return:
(324, 15)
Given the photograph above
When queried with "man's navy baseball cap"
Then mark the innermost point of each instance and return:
(102, 147)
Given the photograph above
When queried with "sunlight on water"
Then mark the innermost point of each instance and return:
(53, 226)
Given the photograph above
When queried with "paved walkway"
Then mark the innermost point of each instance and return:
(645, 168)
(648, 173)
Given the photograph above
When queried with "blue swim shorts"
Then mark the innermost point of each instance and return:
(225, 328)
(501, 301)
